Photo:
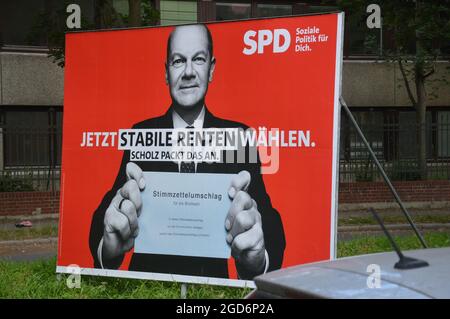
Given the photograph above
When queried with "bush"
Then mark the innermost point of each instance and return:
(365, 172)
(405, 171)
(9, 184)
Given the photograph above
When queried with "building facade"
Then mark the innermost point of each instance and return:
(32, 102)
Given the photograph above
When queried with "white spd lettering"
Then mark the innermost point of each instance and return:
(257, 41)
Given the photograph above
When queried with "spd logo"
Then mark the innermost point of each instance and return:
(278, 41)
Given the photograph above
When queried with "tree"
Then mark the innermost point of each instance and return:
(419, 29)
(106, 16)
(134, 13)
(52, 23)
(422, 26)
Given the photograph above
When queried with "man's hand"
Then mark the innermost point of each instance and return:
(243, 224)
(121, 217)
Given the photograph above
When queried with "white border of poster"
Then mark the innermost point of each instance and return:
(334, 196)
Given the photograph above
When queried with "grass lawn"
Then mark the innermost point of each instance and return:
(38, 279)
(29, 233)
(394, 219)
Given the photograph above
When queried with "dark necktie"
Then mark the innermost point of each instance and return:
(187, 167)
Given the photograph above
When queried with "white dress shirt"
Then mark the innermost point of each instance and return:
(179, 123)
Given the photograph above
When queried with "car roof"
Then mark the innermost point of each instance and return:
(348, 277)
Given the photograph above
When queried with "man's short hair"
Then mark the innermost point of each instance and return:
(208, 35)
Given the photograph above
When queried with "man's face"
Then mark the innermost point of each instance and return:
(189, 66)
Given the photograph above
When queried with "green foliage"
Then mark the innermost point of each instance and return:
(394, 219)
(11, 184)
(38, 280)
(439, 174)
(52, 26)
(404, 171)
(424, 21)
(366, 172)
(149, 14)
(364, 176)
(371, 44)
(410, 21)
(419, 29)
(418, 36)
(375, 244)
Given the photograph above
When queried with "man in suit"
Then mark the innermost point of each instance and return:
(254, 228)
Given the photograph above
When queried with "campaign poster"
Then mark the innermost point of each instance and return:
(201, 153)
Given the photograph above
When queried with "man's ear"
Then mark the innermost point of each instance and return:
(166, 75)
(211, 68)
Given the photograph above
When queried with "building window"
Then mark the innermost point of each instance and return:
(443, 134)
(232, 11)
(372, 124)
(238, 10)
(273, 10)
(19, 20)
(31, 138)
(392, 134)
(120, 7)
(178, 12)
(407, 130)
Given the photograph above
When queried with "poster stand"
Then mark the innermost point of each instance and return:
(183, 291)
(382, 172)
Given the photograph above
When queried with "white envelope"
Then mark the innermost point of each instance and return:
(184, 214)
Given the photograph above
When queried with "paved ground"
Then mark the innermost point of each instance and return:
(29, 249)
(39, 223)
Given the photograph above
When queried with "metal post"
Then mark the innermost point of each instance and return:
(2, 150)
(381, 37)
(183, 291)
(383, 173)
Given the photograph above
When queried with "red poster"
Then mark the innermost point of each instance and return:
(201, 153)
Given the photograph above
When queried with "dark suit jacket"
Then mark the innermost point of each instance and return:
(196, 266)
